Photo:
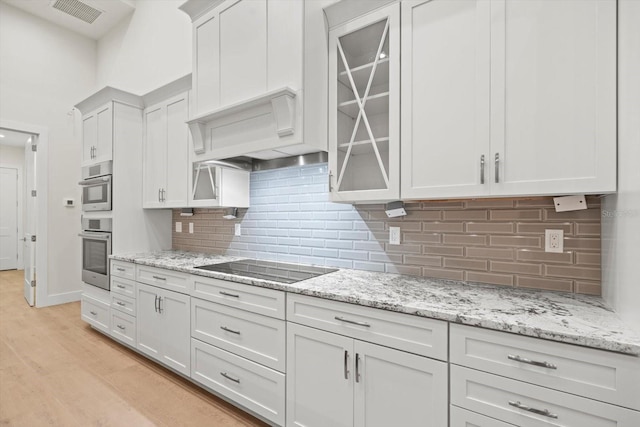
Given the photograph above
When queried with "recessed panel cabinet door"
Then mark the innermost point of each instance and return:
(394, 388)
(155, 156)
(319, 378)
(150, 333)
(175, 310)
(553, 96)
(177, 167)
(445, 98)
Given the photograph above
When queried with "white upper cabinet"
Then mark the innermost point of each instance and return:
(166, 153)
(97, 135)
(257, 66)
(364, 101)
(508, 98)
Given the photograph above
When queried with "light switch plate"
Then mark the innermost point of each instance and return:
(238, 230)
(191, 228)
(178, 227)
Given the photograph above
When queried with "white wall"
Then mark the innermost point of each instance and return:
(147, 50)
(44, 71)
(621, 212)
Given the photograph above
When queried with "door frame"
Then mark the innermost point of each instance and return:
(42, 175)
(20, 213)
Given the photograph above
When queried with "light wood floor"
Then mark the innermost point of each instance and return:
(57, 371)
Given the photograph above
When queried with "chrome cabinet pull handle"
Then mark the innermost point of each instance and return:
(544, 412)
(156, 304)
(346, 368)
(121, 327)
(159, 277)
(160, 310)
(497, 167)
(482, 169)
(330, 187)
(224, 328)
(121, 304)
(164, 199)
(229, 295)
(159, 195)
(229, 377)
(120, 269)
(94, 313)
(120, 286)
(355, 322)
(531, 362)
(357, 368)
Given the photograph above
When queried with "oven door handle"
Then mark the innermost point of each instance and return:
(97, 180)
(98, 236)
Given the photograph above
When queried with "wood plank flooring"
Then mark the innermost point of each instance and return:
(57, 371)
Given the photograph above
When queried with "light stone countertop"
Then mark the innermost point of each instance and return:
(570, 318)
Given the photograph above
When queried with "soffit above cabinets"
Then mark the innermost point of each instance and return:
(109, 13)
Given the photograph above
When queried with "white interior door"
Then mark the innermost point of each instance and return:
(8, 218)
(29, 247)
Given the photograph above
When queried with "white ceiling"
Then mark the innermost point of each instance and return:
(113, 12)
(13, 138)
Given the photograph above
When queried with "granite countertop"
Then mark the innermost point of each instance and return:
(570, 318)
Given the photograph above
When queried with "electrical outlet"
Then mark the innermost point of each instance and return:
(178, 227)
(238, 230)
(394, 235)
(191, 228)
(553, 240)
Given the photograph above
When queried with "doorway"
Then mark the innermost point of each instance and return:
(20, 225)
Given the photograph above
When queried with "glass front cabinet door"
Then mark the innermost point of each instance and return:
(364, 109)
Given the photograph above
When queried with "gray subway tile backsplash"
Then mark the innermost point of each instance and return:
(496, 241)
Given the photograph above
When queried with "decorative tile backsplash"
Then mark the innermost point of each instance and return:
(497, 241)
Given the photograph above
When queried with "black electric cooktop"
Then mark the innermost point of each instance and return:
(269, 270)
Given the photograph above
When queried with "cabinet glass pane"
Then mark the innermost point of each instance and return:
(363, 108)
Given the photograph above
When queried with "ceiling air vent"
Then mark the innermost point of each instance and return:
(77, 9)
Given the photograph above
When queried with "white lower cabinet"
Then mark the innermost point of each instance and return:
(163, 319)
(256, 387)
(526, 404)
(123, 327)
(459, 417)
(364, 384)
(95, 312)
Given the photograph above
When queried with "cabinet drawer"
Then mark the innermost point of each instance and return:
(95, 313)
(426, 337)
(508, 400)
(256, 337)
(166, 279)
(253, 386)
(123, 328)
(462, 418)
(124, 304)
(251, 298)
(597, 374)
(125, 270)
(124, 287)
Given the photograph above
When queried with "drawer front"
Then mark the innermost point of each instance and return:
(162, 278)
(124, 304)
(462, 418)
(253, 336)
(258, 300)
(124, 287)
(597, 374)
(426, 337)
(525, 404)
(253, 386)
(95, 313)
(125, 270)
(123, 328)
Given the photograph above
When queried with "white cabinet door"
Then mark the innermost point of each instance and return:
(149, 328)
(177, 167)
(364, 107)
(97, 135)
(553, 96)
(175, 316)
(445, 98)
(397, 388)
(319, 378)
(155, 156)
